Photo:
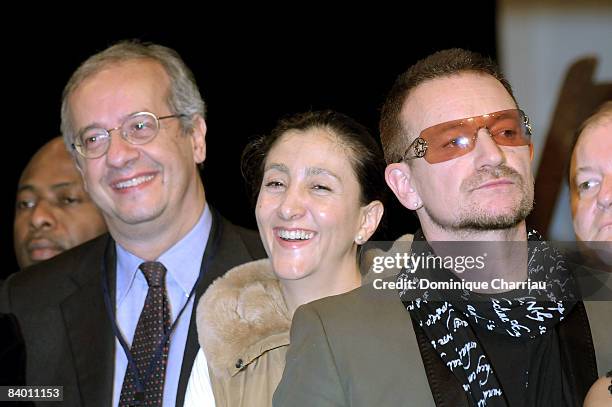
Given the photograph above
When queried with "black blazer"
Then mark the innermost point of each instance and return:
(12, 352)
(60, 308)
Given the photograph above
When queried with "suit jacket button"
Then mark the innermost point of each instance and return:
(239, 363)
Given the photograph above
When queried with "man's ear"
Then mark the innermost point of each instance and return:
(399, 178)
(76, 159)
(371, 214)
(199, 139)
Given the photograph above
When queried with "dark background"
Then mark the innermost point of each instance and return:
(251, 71)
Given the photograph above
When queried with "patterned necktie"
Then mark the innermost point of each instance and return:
(153, 323)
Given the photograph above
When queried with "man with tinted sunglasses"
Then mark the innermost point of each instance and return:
(459, 152)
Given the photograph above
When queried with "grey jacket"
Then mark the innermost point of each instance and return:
(362, 349)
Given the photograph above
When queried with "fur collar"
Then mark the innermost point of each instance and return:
(240, 309)
(245, 307)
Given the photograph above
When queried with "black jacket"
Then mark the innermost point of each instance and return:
(68, 336)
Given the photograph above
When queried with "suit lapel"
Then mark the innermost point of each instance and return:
(88, 327)
(445, 388)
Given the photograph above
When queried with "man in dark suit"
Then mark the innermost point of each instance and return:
(590, 185)
(458, 151)
(98, 319)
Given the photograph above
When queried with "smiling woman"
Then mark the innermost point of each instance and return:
(318, 183)
(309, 214)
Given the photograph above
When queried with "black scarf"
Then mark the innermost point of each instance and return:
(450, 317)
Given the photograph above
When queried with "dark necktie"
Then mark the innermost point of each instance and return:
(153, 323)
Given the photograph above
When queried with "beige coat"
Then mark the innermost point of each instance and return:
(243, 328)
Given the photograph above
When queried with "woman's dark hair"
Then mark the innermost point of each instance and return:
(364, 153)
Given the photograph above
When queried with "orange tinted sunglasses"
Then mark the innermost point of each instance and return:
(449, 140)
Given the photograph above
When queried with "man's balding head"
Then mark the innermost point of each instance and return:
(591, 177)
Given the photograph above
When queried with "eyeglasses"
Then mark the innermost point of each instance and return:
(138, 128)
(449, 140)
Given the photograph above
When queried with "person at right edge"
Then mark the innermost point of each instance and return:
(458, 150)
(590, 182)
